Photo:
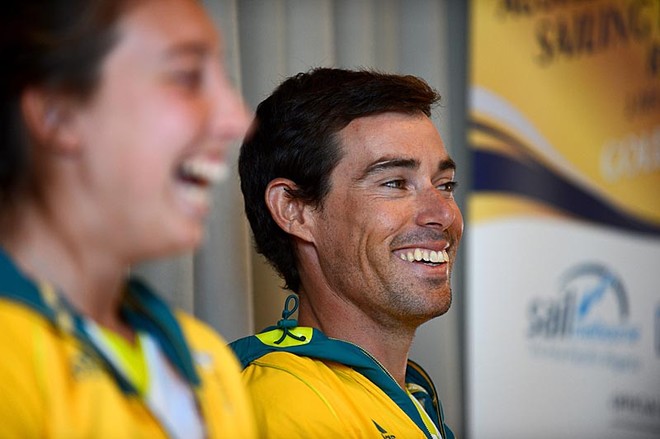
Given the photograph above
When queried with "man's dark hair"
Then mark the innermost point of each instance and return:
(295, 136)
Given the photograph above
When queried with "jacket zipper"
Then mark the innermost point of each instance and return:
(426, 433)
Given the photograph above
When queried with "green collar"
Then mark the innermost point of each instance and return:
(311, 342)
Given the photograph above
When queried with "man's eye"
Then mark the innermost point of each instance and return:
(395, 184)
(449, 186)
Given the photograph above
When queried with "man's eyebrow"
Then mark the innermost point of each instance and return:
(384, 164)
(447, 164)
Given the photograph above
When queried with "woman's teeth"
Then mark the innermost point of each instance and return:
(203, 172)
(196, 177)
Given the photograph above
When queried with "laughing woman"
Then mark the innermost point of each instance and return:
(115, 117)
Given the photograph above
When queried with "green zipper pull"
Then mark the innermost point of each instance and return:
(286, 323)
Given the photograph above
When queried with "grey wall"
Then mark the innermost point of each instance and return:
(228, 285)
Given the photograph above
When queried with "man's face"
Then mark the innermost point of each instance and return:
(389, 228)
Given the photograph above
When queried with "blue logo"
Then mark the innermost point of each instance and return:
(592, 305)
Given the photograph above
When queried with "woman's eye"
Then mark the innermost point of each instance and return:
(189, 79)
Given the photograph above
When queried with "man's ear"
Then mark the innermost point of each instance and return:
(49, 120)
(289, 212)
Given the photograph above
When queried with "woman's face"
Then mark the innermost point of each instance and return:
(154, 135)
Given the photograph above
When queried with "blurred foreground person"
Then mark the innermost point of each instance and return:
(348, 188)
(115, 118)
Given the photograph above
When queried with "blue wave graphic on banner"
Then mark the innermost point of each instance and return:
(497, 173)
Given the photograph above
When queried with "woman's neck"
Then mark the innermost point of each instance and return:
(91, 279)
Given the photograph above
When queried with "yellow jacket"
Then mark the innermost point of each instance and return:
(55, 384)
(306, 385)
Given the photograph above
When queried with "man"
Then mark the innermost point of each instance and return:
(349, 191)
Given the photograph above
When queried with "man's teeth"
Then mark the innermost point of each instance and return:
(205, 170)
(425, 255)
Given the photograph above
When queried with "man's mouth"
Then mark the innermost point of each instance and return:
(424, 255)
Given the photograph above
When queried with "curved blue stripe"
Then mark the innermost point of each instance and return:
(498, 173)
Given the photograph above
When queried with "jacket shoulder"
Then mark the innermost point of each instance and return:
(204, 341)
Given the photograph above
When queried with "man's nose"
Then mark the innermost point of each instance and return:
(436, 208)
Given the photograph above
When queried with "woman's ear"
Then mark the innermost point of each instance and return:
(49, 120)
(289, 212)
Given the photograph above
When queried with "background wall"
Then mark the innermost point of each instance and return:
(228, 285)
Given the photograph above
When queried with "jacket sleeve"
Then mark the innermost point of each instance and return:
(224, 401)
(21, 409)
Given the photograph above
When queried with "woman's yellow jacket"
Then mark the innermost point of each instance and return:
(54, 383)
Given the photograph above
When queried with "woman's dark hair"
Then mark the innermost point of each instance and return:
(295, 137)
(54, 45)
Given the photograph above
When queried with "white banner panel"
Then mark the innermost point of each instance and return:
(563, 332)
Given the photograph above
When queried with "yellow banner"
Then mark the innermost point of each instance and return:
(567, 93)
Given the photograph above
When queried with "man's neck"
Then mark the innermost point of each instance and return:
(388, 344)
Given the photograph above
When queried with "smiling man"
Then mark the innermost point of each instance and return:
(349, 191)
